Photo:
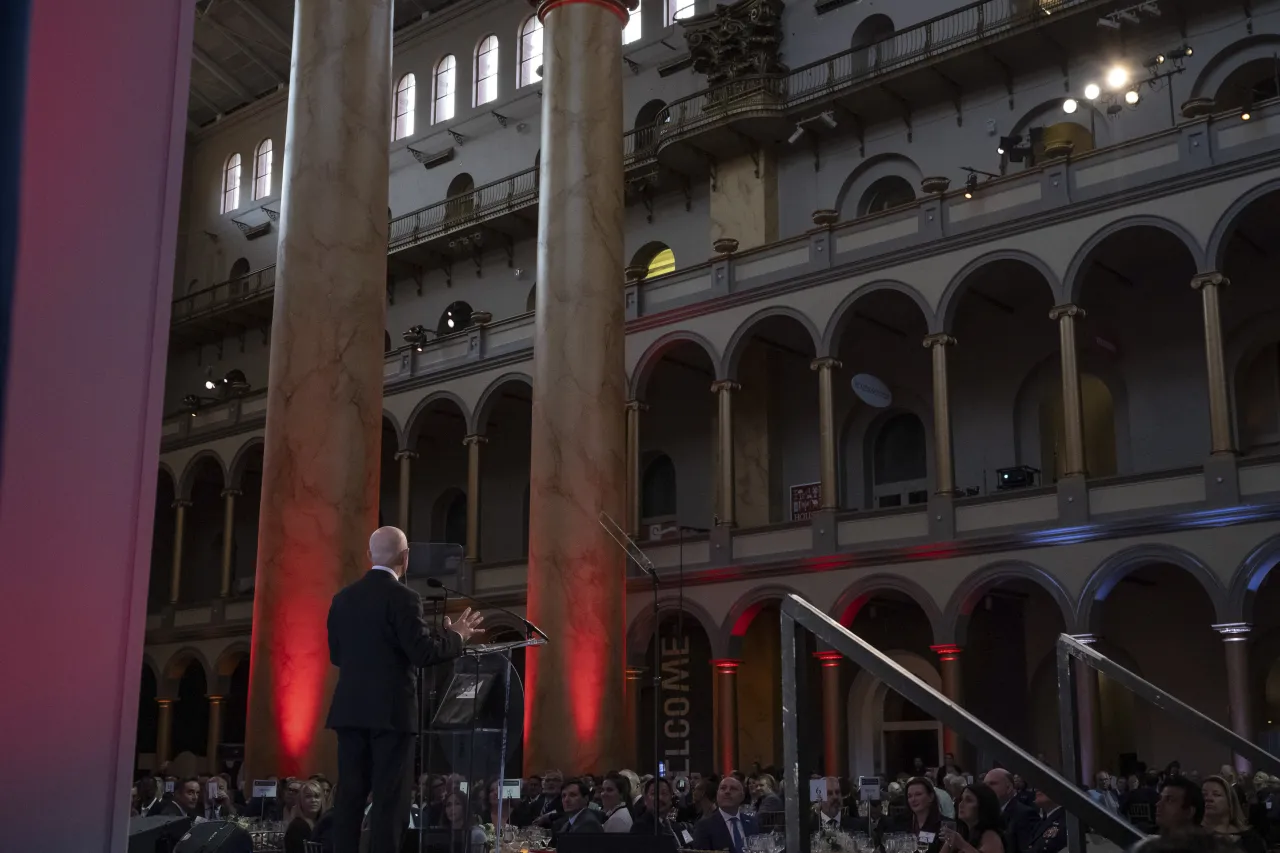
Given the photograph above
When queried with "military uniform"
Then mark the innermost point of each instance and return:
(1050, 835)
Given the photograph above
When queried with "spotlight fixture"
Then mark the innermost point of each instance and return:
(1127, 16)
(233, 384)
(970, 184)
(1130, 15)
(1245, 116)
(1109, 23)
(1117, 77)
(192, 404)
(1016, 150)
(795, 135)
(416, 337)
(1070, 105)
(1092, 92)
(1132, 97)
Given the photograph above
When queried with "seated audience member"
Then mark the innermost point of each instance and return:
(149, 801)
(221, 808)
(1224, 817)
(726, 828)
(924, 815)
(1103, 792)
(830, 816)
(466, 834)
(186, 798)
(1180, 808)
(546, 808)
(578, 816)
(1050, 833)
(643, 823)
(616, 802)
(979, 826)
(307, 810)
(1019, 821)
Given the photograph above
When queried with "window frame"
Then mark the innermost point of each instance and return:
(530, 26)
(263, 175)
(633, 18)
(447, 68)
(409, 113)
(231, 171)
(496, 69)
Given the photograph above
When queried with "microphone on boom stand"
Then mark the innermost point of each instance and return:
(529, 627)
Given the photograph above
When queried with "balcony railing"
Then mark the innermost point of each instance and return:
(484, 202)
(217, 297)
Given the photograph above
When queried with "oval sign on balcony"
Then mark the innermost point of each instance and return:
(872, 391)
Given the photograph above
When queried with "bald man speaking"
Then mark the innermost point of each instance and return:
(377, 639)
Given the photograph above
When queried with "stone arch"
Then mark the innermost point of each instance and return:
(857, 594)
(744, 610)
(646, 254)
(844, 311)
(1115, 567)
(188, 473)
(650, 358)
(389, 419)
(148, 662)
(410, 437)
(241, 459)
(640, 631)
(1231, 58)
(176, 665)
(873, 169)
(1074, 278)
(167, 471)
(1215, 252)
(480, 418)
(225, 667)
(955, 289)
(647, 115)
(742, 336)
(1052, 113)
(1248, 577)
(979, 583)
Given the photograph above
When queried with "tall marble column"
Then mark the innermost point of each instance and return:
(1086, 715)
(228, 536)
(324, 399)
(1209, 285)
(945, 476)
(724, 696)
(723, 389)
(827, 431)
(164, 731)
(952, 688)
(216, 704)
(833, 728)
(575, 713)
(473, 443)
(405, 458)
(634, 684)
(179, 525)
(1235, 639)
(1072, 423)
(634, 408)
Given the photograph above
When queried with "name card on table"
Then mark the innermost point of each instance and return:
(264, 789)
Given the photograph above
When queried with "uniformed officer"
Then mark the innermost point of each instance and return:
(1050, 834)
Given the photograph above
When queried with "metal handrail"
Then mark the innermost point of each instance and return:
(1069, 647)
(477, 204)
(243, 287)
(796, 612)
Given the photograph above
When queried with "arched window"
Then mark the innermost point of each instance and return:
(406, 100)
(239, 268)
(885, 194)
(231, 184)
(262, 159)
(631, 32)
(454, 319)
(679, 9)
(455, 520)
(461, 197)
(899, 462)
(531, 301)
(646, 124)
(530, 52)
(656, 258)
(870, 44)
(487, 70)
(446, 82)
(386, 341)
(658, 488)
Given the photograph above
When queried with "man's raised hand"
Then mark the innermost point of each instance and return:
(467, 626)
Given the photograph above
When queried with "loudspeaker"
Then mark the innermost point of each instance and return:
(215, 836)
(156, 834)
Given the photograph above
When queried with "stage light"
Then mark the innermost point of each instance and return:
(209, 385)
(1070, 105)
(1008, 143)
(1132, 97)
(795, 135)
(970, 184)
(1092, 92)
(416, 337)
(1245, 116)
(1117, 77)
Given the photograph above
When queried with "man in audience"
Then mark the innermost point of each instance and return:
(221, 808)
(578, 817)
(1019, 820)
(1180, 808)
(1050, 833)
(547, 807)
(725, 828)
(149, 801)
(830, 816)
(187, 797)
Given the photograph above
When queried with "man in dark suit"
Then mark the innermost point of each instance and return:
(725, 828)
(830, 816)
(1019, 820)
(578, 817)
(1050, 834)
(377, 639)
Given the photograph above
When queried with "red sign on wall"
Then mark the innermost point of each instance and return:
(806, 499)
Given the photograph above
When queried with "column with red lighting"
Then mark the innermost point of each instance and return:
(1235, 639)
(164, 731)
(724, 697)
(575, 715)
(175, 571)
(833, 727)
(634, 683)
(949, 669)
(324, 399)
(216, 704)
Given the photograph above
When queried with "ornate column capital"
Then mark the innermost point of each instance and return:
(1234, 632)
(726, 665)
(1068, 309)
(475, 438)
(406, 454)
(180, 503)
(1209, 279)
(231, 493)
(941, 339)
(825, 363)
(637, 406)
(215, 698)
(622, 8)
(946, 651)
(829, 658)
(634, 673)
(164, 703)
(724, 385)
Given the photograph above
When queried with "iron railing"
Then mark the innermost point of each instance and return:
(798, 613)
(244, 288)
(501, 196)
(1070, 648)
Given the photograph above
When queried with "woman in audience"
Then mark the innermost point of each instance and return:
(924, 818)
(980, 827)
(466, 835)
(489, 814)
(307, 809)
(1224, 817)
(615, 800)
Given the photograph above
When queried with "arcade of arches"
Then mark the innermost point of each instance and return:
(1099, 379)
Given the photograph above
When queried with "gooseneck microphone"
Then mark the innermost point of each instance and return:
(436, 583)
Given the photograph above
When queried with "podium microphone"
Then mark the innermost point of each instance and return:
(436, 583)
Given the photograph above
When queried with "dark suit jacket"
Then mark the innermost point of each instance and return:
(1019, 826)
(712, 833)
(1050, 833)
(587, 820)
(848, 823)
(377, 638)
